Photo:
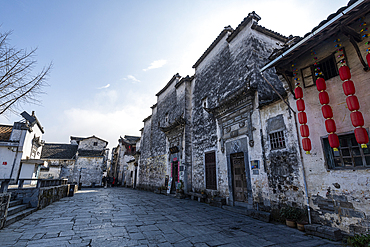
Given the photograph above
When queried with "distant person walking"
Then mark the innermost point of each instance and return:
(104, 182)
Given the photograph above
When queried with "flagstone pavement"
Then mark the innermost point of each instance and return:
(125, 217)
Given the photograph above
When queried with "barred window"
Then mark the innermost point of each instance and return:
(350, 155)
(277, 140)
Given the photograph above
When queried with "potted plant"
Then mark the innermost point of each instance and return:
(291, 215)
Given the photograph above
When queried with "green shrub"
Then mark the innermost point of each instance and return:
(291, 213)
(359, 240)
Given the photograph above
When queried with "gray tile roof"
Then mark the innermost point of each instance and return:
(90, 153)
(5, 131)
(58, 151)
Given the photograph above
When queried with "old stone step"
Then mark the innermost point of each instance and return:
(16, 209)
(259, 215)
(20, 215)
(14, 203)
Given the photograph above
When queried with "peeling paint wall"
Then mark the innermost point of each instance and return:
(228, 69)
(168, 126)
(90, 169)
(338, 197)
(59, 168)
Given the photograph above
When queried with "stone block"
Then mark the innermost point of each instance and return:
(311, 229)
(324, 232)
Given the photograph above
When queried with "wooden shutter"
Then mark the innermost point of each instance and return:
(210, 161)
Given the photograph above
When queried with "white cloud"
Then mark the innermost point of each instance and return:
(131, 78)
(156, 64)
(107, 124)
(106, 86)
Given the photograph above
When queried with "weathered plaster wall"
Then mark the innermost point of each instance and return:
(340, 198)
(90, 169)
(88, 144)
(226, 70)
(281, 177)
(155, 161)
(60, 169)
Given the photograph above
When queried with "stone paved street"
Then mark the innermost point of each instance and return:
(126, 217)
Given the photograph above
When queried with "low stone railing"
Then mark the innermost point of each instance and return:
(43, 182)
(43, 194)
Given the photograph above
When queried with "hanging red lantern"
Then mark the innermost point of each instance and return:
(362, 136)
(298, 92)
(302, 117)
(324, 98)
(306, 144)
(300, 105)
(348, 87)
(368, 59)
(330, 126)
(352, 103)
(357, 119)
(344, 73)
(327, 112)
(334, 141)
(320, 84)
(305, 131)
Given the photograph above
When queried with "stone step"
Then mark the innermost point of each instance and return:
(18, 216)
(259, 215)
(16, 209)
(15, 203)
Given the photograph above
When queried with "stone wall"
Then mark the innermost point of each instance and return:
(231, 66)
(339, 197)
(90, 169)
(4, 204)
(41, 197)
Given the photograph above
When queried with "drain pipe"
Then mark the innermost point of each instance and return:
(299, 145)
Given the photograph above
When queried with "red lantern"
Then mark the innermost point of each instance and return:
(368, 59)
(327, 112)
(302, 117)
(349, 87)
(320, 84)
(361, 136)
(352, 103)
(330, 126)
(298, 92)
(305, 131)
(357, 119)
(344, 73)
(306, 144)
(324, 98)
(333, 141)
(300, 105)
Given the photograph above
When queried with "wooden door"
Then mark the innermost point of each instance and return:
(239, 180)
(175, 174)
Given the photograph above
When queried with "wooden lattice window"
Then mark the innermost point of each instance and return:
(210, 163)
(349, 156)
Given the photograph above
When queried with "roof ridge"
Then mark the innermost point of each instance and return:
(214, 43)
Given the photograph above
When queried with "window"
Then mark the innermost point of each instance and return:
(328, 66)
(349, 156)
(210, 163)
(95, 143)
(277, 140)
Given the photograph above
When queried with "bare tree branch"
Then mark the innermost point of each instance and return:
(18, 84)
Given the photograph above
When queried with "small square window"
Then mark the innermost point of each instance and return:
(95, 143)
(277, 140)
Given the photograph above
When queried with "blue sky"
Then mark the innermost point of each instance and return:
(111, 57)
